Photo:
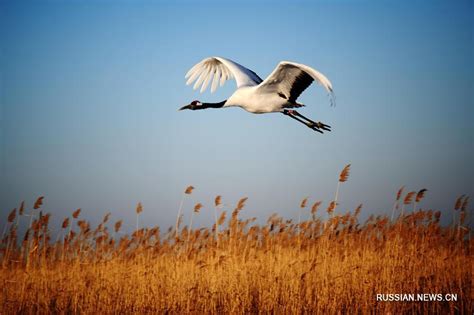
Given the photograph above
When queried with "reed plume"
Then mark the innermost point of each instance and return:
(106, 217)
(222, 218)
(343, 177)
(408, 199)
(459, 202)
(396, 203)
(462, 214)
(331, 207)
(22, 208)
(457, 206)
(217, 203)
(117, 226)
(357, 210)
(465, 203)
(241, 203)
(10, 219)
(187, 191)
(38, 203)
(11, 216)
(303, 203)
(314, 207)
(419, 196)
(138, 210)
(65, 223)
(196, 209)
(76, 213)
(302, 206)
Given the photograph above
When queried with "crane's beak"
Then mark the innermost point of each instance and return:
(185, 107)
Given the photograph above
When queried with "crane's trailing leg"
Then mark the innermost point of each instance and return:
(316, 126)
(289, 113)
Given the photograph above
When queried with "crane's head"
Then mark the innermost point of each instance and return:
(192, 105)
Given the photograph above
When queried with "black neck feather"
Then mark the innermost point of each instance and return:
(211, 105)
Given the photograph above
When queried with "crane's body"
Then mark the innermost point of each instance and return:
(257, 103)
(277, 93)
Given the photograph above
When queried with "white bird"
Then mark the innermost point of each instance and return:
(277, 93)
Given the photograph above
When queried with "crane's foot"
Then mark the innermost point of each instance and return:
(319, 125)
(316, 126)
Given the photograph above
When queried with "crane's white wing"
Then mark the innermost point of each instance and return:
(218, 69)
(290, 79)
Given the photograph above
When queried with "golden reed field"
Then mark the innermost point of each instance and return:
(334, 266)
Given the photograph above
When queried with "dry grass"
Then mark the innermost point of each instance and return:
(236, 266)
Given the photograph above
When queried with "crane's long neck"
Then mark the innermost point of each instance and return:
(211, 105)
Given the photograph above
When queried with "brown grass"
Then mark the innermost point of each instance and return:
(315, 266)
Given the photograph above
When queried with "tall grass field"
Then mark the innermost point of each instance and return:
(402, 262)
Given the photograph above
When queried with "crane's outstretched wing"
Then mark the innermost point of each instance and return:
(291, 79)
(217, 69)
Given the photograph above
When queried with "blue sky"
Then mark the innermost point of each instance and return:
(90, 91)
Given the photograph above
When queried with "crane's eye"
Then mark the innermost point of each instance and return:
(196, 102)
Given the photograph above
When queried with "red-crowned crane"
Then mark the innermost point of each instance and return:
(277, 93)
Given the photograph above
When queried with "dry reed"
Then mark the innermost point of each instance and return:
(315, 266)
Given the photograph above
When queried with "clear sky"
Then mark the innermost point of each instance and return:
(90, 91)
